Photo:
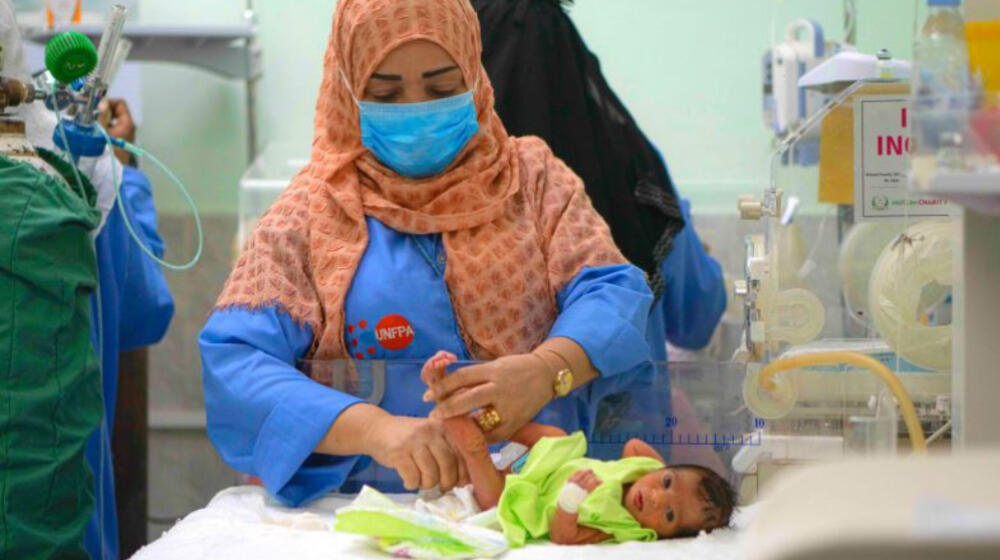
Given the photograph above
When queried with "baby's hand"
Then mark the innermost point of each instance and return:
(585, 479)
(434, 370)
(576, 490)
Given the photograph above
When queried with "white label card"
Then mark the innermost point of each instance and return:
(882, 162)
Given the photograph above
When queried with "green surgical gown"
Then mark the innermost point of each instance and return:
(50, 386)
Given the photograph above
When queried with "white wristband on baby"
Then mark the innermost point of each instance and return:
(571, 497)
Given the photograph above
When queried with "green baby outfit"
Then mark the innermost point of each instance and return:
(529, 500)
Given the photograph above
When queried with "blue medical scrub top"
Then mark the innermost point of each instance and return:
(265, 417)
(135, 309)
(694, 299)
(638, 403)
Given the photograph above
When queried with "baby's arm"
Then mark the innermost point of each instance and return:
(638, 448)
(565, 529)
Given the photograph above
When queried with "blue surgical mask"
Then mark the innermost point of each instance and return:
(418, 139)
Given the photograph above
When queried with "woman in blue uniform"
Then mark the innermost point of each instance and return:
(134, 306)
(694, 297)
(134, 312)
(418, 226)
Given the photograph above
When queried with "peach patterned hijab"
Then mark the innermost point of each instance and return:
(516, 223)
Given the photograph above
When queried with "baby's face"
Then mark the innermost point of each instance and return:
(670, 502)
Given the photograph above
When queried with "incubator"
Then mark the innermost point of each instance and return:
(700, 413)
(703, 413)
(692, 413)
(847, 291)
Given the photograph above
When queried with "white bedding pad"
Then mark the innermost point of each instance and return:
(243, 523)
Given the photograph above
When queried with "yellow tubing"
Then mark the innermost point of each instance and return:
(917, 439)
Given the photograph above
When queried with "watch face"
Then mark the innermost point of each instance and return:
(564, 382)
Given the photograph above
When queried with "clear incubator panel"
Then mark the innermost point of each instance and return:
(848, 280)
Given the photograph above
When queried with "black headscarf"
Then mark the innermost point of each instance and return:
(548, 84)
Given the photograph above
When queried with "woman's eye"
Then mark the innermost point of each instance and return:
(384, 96)
(440, 92)
(666, 481)
(670, 515)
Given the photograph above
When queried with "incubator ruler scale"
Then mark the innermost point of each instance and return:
(670, 437)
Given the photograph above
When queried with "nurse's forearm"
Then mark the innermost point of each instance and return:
(561, 353)
(351, 433)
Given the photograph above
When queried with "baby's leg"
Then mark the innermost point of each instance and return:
(529, 435)
(434, 368)
(466, 438)
(469, 441)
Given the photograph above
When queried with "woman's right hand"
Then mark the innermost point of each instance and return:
(419, 451)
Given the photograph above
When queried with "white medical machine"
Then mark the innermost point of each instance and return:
(786, 104)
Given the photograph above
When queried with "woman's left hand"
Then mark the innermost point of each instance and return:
(517, 387)
(116, 117)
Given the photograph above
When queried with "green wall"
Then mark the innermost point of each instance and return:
(689, 70)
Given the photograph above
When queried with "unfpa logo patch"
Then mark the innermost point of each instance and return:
(392, 332)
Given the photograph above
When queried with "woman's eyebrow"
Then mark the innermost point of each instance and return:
(388, 77)
(439, 71)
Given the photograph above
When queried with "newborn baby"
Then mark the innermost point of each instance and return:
(555, 491)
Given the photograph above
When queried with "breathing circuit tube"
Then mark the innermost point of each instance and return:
(140, 153)
(765, 380)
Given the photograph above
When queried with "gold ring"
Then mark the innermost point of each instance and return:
(488, 419)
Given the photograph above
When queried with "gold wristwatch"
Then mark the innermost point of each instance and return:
(564, 383)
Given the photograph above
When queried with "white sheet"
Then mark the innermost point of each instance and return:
(243, 523)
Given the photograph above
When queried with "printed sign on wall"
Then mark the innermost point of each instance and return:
(882, 161)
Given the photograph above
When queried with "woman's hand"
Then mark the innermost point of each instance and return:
(517, 387)
(116, 118)
(418, 450)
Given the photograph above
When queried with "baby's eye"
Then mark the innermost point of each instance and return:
(670, 515)
(666, 481)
